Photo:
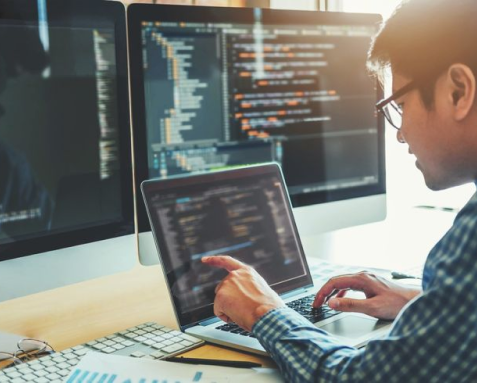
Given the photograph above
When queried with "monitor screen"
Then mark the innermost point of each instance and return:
(65, 173)
(214, 88)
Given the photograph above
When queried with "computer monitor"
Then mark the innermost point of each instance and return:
(219, 87)
(66, 197)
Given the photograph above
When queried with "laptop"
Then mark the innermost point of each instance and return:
(245, 213)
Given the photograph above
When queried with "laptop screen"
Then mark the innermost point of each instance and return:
(244, 213)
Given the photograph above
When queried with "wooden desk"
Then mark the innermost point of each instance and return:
(79, 313)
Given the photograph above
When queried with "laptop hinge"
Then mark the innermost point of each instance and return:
(209, 321)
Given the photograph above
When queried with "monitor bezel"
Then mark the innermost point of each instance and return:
(72, 14)
(138, 13)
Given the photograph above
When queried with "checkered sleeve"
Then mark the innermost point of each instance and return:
(434, 339)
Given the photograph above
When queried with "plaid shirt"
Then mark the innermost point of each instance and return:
(434, 338)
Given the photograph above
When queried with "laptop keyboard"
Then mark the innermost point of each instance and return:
(235, 329)
(148, 340)
(302, 306)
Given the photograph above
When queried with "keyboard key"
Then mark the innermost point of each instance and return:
(118, 346)
(191, 338)
(82, 351)
(73, 362)
(52, 369)
(63, 366)
(40, 373)
(58, 359)
(13, 374)
(99, 346)
(173, 348)
(158, 354)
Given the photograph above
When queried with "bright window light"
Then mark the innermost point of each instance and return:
(306, 5)
(383, 7)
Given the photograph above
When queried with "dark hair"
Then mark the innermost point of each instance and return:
(423, 38)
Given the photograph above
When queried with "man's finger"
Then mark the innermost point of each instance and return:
(223, 262)
(342, 282)
(341, 293)
(218, 312)
(350, 305)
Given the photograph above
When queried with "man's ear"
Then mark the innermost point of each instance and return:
(462, 88)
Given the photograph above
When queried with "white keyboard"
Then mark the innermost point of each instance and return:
(148, 340)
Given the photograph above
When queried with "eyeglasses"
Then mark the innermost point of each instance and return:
(28, 349)
(390, 109)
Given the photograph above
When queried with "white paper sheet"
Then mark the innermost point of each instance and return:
(103, 368)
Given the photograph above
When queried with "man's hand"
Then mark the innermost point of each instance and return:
(243, 296)
(384, 299)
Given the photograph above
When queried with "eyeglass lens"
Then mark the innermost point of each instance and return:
(32, 345)
(393, 114)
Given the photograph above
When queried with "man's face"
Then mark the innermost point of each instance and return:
(433, 136)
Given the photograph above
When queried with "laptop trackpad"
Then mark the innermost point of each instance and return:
(351, 326)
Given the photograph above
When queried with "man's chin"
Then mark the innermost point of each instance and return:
(435, 184)
(430, 182)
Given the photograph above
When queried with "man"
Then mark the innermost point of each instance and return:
(430, 47)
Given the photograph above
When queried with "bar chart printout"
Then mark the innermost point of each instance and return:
(103, 368)
(80, 375)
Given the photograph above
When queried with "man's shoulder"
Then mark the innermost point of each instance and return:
(454, 257)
